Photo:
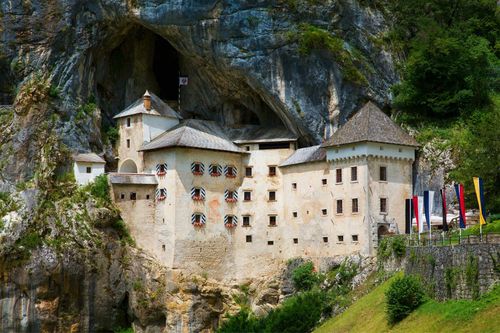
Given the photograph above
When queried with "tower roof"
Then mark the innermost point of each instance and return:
(158, 108)
(305, 155)
(370, 124)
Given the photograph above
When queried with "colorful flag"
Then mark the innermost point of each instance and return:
(428, 204)
(459, 190)
(478, 186)
(445, 211)
(421, 214)
(414, 199)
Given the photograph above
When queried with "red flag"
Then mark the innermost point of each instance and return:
(415, 209)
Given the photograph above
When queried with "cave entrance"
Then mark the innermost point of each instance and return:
(166, 69)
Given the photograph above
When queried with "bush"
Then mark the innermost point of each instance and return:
(243, 321)
(100, 188)
(404, 295)
(304, 277)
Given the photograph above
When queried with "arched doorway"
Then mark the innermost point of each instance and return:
(128, 166)
(382, 230)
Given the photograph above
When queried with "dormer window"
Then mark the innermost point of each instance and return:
(161, 194)
(230, 196)
(215, 170)
(197, 168)
(230, 171)
(198, 194)
(161, 169)
(198, 219)
(230, 221)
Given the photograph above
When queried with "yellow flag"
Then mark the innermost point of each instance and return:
(478, 186)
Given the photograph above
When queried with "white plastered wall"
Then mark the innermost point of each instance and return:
(80, 171)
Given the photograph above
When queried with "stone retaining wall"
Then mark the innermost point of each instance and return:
(456, 272)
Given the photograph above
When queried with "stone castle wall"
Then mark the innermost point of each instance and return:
(456, 272)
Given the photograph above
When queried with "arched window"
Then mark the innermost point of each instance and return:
(198, 194)
(128, 166)
(197, 168)
(161, 194)
(230, 171)
(161, 169)
(230, 196)
(230, 221)
(198, 219)
(215, 170)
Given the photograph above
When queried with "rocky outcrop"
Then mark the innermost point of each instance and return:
(241, 57)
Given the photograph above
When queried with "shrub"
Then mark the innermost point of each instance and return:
(398, 246)
(243, 321)
(297, 314)
(304, 277)
(100, 188)
(404, 295)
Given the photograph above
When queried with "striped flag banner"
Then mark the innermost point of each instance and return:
(478, 186)
(428, 205)
(445, 211)
(421, 214)
(459, 190)
(414, 200)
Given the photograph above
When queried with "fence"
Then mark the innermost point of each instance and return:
(446, 239)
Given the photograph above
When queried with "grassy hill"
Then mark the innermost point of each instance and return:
(368, 315)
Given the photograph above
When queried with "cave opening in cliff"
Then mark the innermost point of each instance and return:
(166, 69)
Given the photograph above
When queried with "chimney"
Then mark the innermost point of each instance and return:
(147, 100)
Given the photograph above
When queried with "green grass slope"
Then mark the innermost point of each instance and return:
(368, 315)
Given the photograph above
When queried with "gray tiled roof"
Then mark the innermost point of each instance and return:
(370, 124)
(194, 133)
(133, 178)
(89, 158)
(305, 155)
(158, 108)
(255, 134)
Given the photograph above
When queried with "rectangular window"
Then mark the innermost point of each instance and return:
(247, 148)
(355, 205)
(325, 239)
(147, 196)
(354, 238)
(272, 220)
(340, 238)
(272, 171)
(294, 186)
(338, 176)
(128, 143)
(122, 196)
(270, 242)
(246, 221)
(354, 174)
(324, 212)
(383, 173)
(339, 207)
(324, 181)
(295, 241)
(248, 238)
(383, 205)
(247, 196)
(294, 214)
(133, 196)
(128, 122)
(196, 167)
(248, 172)
(272, 196)
(89, 170)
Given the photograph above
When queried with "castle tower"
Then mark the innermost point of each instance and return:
(139, 123)
(371, 160)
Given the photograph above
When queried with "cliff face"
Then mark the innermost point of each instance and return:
(242, 59)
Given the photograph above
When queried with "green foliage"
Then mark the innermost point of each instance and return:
(53, 91)
(472, 275)
(451, 54)
(112, 135)
(389, 246)
(85, 110)
(304, 277)
(123, 330)
(314, 38)
(122, 230)
(404, 295)
(29, 241)
(299, 314)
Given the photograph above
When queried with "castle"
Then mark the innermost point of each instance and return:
(235, 203)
